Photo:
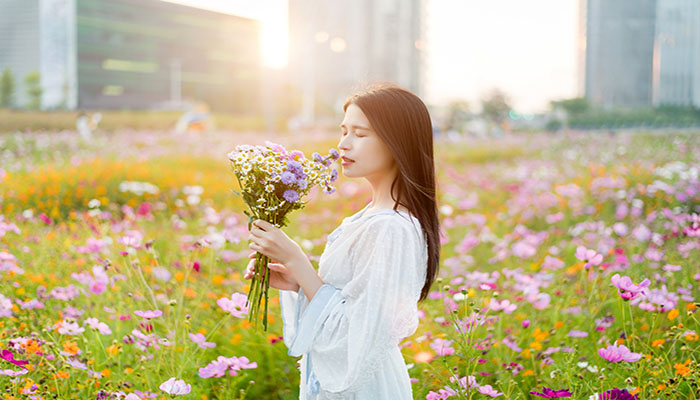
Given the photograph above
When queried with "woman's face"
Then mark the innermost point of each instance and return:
(360, 143)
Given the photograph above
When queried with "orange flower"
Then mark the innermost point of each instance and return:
(682, 369)
(673, 314)
(658, 342)
(71, 348)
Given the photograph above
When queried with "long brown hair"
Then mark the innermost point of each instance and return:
(402, 121)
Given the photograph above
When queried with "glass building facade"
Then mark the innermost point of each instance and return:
(137, 54)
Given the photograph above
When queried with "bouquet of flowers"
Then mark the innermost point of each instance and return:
(272, 182)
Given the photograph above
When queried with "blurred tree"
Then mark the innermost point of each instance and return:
(495, 106)
(572, 107)
(33, 84)
(457, 115)
(7, 88)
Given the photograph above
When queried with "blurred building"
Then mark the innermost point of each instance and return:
(676, 66)
(640, 53)
(336, 47)
(137, 54)
(619, 52)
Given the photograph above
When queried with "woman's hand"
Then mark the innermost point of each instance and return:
(271, 241)
(280, 277)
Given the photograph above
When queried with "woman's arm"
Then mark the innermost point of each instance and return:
(305, 275)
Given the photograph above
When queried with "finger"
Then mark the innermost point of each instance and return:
(252, 255)
(262, 224)
(255, 246)
(277, 267)
(256, 231)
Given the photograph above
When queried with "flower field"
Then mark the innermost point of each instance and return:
(570, 267)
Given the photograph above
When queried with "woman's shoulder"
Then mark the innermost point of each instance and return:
(397, 224)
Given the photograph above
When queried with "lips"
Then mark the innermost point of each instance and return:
(345, 159)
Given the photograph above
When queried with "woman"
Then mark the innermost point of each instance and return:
(347, 320)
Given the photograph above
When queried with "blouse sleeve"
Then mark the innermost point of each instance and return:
(349, 332)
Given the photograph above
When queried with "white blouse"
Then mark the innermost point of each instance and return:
(373, 268)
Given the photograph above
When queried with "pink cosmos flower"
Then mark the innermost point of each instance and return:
(98, 326)
(504, 305)
(148, 314)
(442, 347)
(591, 257)
(175, 386)
(489, 391)
(132, 239)
(9, 372)
(218, 367)
(628, 290)
(201, 340)
(236, 305)
(615, 353)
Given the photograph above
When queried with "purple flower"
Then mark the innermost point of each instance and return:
(334, 154)
(317, 157)
(552, 394)
(236, 305)
(615, 353)
(76, 364)
(148, 314)
(628, 290)
(200, 340)
(291, 195)
(175, 386)
(334, 175)
(328, 189)
(617, 394)
(288, 178)
(302, 184)
(575, 333)
(591, 257)
(295, 167)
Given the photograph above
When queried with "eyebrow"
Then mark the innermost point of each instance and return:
(355, 127)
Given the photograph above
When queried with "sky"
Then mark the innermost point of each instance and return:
(525, 48)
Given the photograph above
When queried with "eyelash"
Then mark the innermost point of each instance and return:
(343, 134)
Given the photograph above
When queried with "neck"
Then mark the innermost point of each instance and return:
(381, 190)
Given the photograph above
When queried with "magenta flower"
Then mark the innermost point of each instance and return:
(628, 290)
(591, 257)
(8, 356)
(148, 314)
(236, 305)
(617, 394)
(552, 394)
(175, 386)
(201, 340)
(615, 353)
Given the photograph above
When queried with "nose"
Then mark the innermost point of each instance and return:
(343, 143)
